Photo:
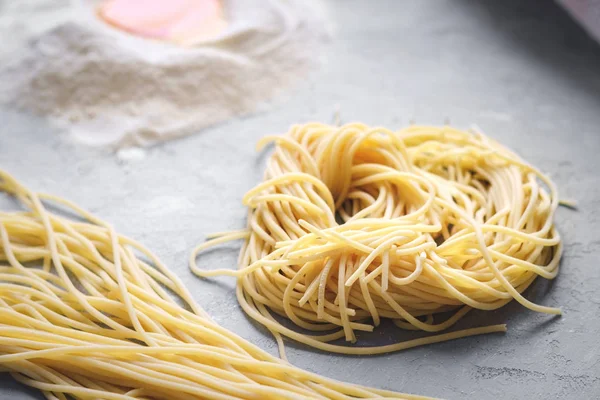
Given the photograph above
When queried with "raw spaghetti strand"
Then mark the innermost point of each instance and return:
(88, 313)
(353, 224)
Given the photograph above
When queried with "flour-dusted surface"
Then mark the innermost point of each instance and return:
(522, 70)
(108, 88)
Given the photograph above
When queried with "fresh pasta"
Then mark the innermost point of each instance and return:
(86, 313)
(354, 224)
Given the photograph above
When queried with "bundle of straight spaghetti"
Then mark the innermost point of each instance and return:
(89, 314)
(353, 224)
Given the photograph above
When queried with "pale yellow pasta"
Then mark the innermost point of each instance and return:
(86, 313)
(353, 224)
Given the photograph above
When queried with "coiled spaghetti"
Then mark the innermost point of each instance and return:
(87, 313)
(353, 224)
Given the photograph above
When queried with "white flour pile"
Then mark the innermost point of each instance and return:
(109, 88)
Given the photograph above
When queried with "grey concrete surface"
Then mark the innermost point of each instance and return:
(521, 70)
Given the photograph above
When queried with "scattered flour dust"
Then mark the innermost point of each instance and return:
(109, 88)
(128, 155)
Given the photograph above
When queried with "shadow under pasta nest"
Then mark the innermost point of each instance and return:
(513, 314)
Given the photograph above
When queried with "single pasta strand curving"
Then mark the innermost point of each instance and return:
(353, 224)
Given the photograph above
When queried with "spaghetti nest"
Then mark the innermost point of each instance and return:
(353, 224)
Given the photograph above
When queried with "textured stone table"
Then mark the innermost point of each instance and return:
(522, 71)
